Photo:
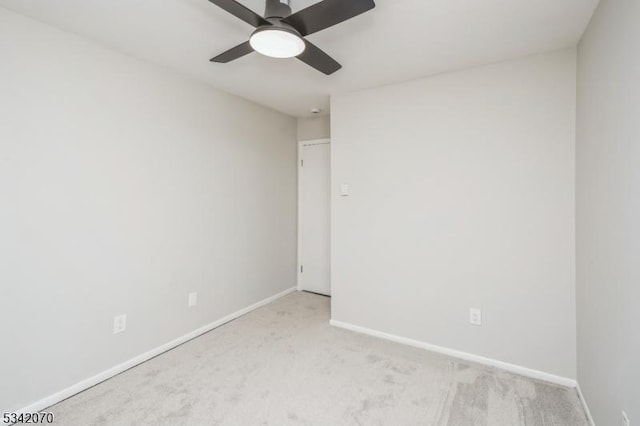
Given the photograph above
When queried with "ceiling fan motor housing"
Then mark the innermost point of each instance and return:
(277, 9)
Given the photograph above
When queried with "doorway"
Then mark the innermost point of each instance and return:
(314, 216)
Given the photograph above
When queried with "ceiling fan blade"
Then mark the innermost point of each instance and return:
(326, 14)
(319, 60)
(233, 53)
(242, 12)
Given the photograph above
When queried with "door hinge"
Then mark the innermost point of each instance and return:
(301, 269)
(301, 163)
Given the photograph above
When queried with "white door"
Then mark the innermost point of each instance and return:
(314, 227)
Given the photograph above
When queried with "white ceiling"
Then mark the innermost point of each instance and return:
(398, 40)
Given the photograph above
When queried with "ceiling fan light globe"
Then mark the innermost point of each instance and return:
(277, 43)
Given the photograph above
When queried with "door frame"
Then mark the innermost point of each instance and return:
(301, 145)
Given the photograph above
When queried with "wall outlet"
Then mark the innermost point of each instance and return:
(625, 419)
(193, 299)
(119, 323)
(475, 316)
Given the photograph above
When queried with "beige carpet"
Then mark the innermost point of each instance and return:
(285, 365)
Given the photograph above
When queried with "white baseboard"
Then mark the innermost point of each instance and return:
(585, 406)
(113, 371)
(524, 371)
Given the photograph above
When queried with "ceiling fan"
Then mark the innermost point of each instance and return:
(280, 33)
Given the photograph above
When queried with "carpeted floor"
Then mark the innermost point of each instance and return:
(284, 364)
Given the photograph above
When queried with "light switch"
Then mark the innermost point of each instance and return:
(344, 190)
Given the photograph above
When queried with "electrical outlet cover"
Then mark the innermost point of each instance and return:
(119, 323)
(193, 299)
(475, 316)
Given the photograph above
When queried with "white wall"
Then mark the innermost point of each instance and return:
(122, 188)
(314, 128)
(462, 195)
(608, 211)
